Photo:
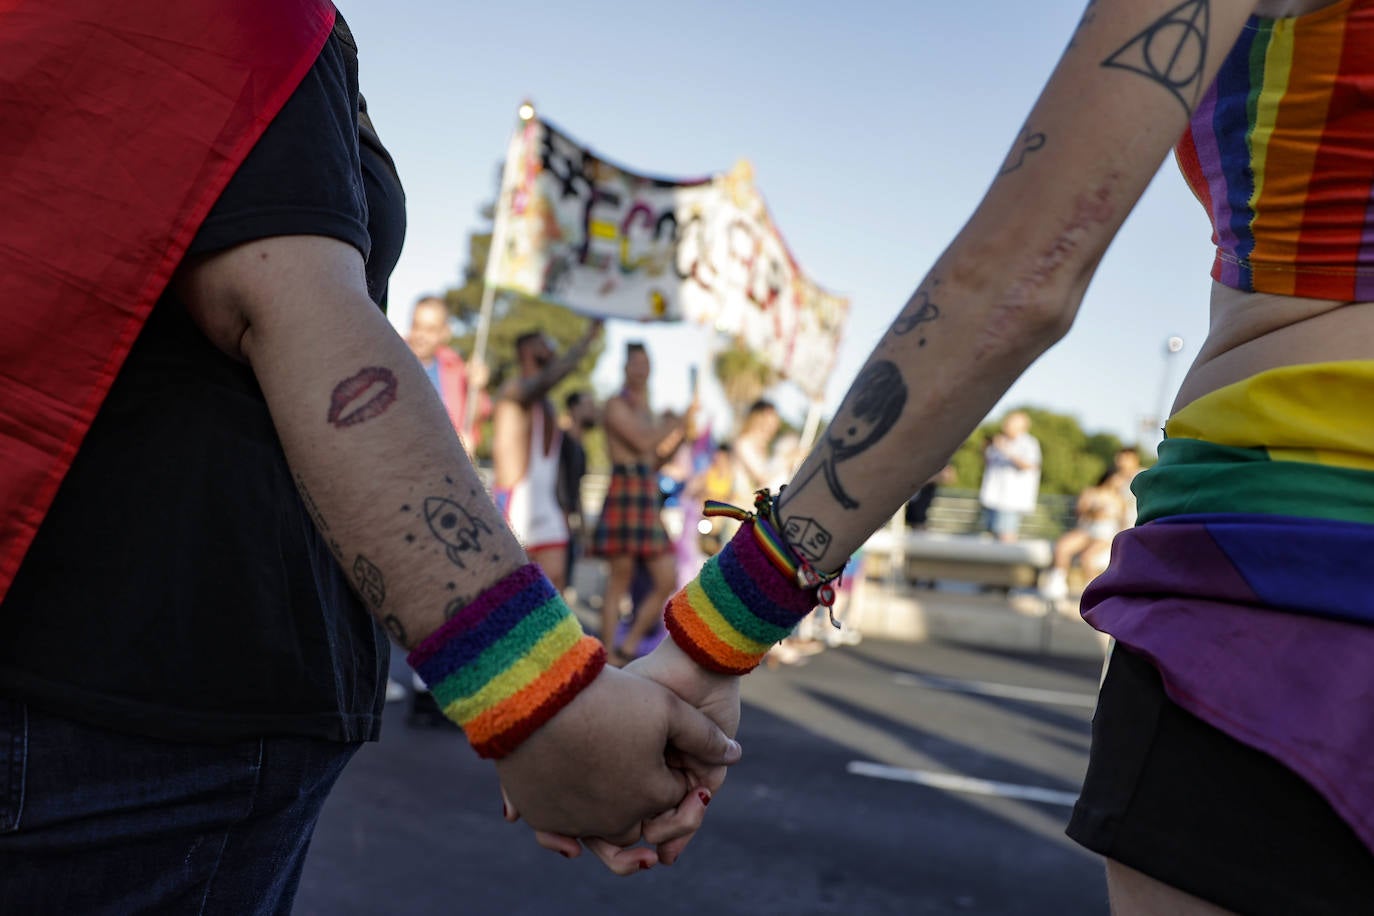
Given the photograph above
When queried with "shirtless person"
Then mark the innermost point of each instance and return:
(630, 529)
(526, 445)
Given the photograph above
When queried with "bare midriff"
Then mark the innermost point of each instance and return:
(1253, 332)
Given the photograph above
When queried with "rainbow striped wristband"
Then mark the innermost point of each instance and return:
(508, 662)
(737, 607)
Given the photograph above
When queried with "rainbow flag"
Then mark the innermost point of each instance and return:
(1249, 581)
(1279, 154)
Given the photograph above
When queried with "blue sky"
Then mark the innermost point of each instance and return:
(873, 128)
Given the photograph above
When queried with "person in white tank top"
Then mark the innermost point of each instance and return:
(531, 504)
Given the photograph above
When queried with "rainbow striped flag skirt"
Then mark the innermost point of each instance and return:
(1249, 579)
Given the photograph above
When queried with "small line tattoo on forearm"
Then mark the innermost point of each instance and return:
(1027, 142)
(921, 309)
(371, 583)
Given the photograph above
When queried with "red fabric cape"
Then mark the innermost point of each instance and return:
(120, 124)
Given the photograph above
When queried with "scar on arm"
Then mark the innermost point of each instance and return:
(1091, 209)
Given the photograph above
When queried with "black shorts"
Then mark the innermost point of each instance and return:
(1172, 797)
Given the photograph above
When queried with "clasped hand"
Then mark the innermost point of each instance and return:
(636, 756)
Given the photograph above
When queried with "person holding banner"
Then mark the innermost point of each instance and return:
(526, 446)
(1229, 768)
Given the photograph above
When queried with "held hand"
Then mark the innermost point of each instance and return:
(598, 767)
(716, 695)
(685, 820)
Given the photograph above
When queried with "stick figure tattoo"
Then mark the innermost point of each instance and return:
(869, 411)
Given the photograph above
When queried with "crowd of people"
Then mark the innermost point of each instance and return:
(539, 462)
(230, 486)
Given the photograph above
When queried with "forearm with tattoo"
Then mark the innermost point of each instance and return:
(1014, 276)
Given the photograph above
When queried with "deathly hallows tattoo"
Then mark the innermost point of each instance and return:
(1171, 51)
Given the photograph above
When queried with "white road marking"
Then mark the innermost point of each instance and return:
(1007, 691)
(953, 783)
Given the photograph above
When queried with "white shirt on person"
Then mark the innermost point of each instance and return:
(1007, 488)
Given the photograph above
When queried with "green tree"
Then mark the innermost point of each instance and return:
(744, 375)
(1072, 459)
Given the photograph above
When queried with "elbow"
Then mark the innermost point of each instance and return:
(1036, 307)
(1016, 324)
(1033, 294)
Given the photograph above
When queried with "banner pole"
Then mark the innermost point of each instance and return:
(496, 251)
(812, 427)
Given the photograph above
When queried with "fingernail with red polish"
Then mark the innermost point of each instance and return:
(704, 796)
(564, 854)
(644, 866)
(505, 812)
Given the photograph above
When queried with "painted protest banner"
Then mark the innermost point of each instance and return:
(577, 230)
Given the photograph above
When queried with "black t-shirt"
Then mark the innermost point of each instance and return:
(177, 587)
(572, 467)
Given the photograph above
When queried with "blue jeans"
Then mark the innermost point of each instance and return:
(92, 821)
(1001, 522)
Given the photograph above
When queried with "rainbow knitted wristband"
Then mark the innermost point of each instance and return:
(737, 607)
(508, 662)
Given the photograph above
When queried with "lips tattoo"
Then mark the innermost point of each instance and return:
(362, 397)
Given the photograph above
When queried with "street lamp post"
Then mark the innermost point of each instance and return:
(1173, 345)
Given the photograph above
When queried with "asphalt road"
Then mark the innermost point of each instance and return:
(887, 778)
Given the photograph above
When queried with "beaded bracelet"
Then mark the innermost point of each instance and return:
(747, 597)
(508, 662)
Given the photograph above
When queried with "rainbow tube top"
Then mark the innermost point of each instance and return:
(1249, 580)
(1280, 152)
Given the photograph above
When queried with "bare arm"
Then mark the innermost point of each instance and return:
(644, 437)
(1011, 282)
(1007, 287)
(533, 389)
(399, 502)
(388, 484)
